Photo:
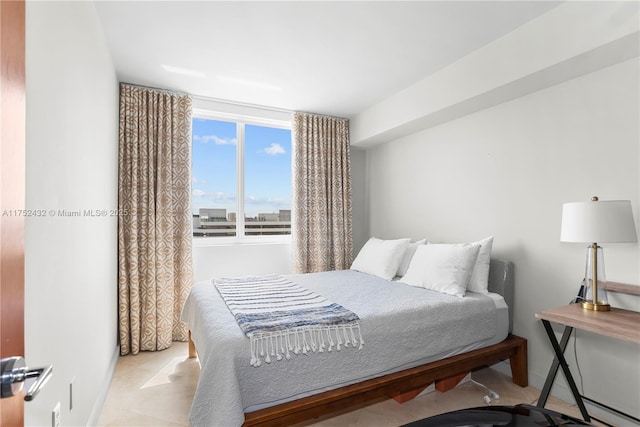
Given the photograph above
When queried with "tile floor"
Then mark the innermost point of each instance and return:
(156, 389)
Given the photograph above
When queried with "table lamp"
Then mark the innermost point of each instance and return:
(594, 222)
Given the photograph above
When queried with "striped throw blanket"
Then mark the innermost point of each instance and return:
(281, 317)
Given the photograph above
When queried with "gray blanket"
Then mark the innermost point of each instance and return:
(403, 326)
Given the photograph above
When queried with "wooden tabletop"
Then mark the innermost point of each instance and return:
(617, 323)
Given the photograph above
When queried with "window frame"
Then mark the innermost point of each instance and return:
(240, 121)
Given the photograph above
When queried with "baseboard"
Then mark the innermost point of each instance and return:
(561, 391)
(94, 417)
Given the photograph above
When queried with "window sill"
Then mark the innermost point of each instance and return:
(199, 242)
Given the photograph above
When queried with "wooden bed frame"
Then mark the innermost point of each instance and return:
(398, 385)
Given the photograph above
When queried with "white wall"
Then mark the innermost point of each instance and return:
(505, 171)
(495, 142)
(230, 260)
(71, 262)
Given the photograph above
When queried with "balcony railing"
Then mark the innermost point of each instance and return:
(251, 228)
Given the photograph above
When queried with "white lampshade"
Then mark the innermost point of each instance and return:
(607, 221)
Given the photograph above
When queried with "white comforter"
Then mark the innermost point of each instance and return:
(402, 326)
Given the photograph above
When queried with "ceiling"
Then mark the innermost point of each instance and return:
(335, 58)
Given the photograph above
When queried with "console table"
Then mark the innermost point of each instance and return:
(617, 323)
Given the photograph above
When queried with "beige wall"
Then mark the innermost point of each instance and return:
(70, 262)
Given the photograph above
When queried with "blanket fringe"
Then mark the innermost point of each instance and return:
(280, 344)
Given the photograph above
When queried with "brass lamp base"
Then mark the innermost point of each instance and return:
(595, 306)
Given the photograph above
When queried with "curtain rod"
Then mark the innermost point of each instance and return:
(236, 103)
(242, 104)
(329, 116)
(262, 107)
(158, 89)
(207, 98)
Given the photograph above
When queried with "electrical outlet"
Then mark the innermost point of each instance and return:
(55, 416)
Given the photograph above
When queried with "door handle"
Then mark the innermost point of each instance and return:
(14, 374)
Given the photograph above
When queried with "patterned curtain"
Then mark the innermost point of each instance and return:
(154, 229)
(322, 234)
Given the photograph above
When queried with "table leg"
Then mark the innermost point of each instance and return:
(553, 371)
(560, 360)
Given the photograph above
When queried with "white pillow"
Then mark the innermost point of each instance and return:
(408, 255)
(479, 281)
(381, 257)
(444, 268)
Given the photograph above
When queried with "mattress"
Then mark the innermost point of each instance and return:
(402, 327)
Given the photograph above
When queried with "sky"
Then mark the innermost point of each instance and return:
(267, 167)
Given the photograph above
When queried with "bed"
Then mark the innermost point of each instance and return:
(405, 350)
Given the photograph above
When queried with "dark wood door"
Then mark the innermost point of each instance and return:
(12, 193)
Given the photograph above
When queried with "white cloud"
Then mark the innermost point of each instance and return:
(195, 180)
(221, 196)
(274, 149)
(215, 139)
(215, 197)
(267, 201)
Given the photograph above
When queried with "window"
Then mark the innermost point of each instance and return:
(241, 183)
